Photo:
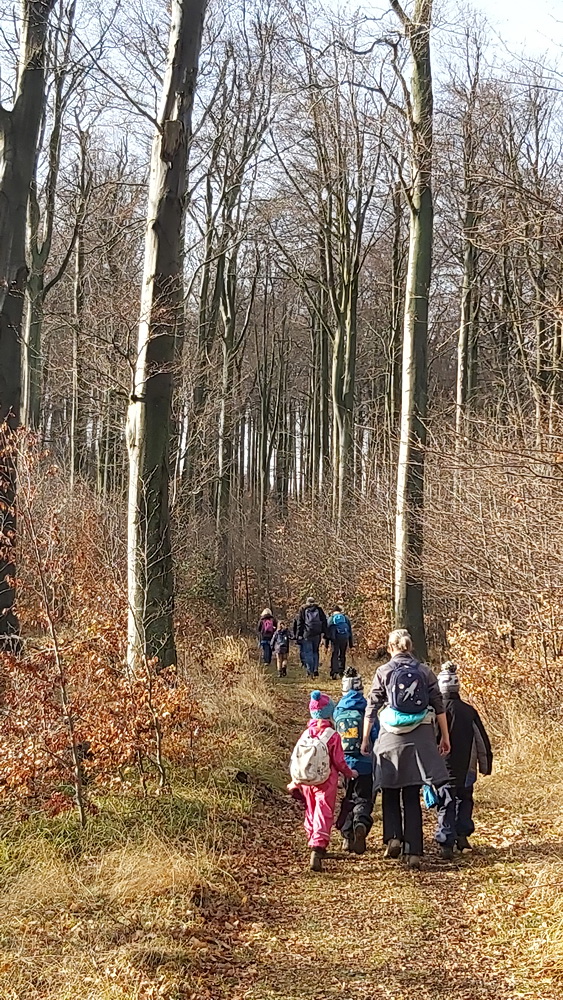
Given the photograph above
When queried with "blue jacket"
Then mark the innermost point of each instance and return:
(332, 632)
(355, 701)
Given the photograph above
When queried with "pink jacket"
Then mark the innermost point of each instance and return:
(334, 746)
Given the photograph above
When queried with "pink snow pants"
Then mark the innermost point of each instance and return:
(319, 811)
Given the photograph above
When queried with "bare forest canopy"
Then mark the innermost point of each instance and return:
(283, 440)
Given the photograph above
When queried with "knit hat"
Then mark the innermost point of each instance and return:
(448, 681)
(267, 613)
(310, 600)
(352, 681)
(321, 705)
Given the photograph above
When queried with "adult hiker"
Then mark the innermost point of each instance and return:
(339, 635)
(355, 820)
(295, 637)
(266, 628)
(470, 752)
(311, 627)
(406, 754)
(316, 762)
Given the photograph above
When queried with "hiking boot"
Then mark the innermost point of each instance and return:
(463, 845)
(446, 853)
(360, 834)
(316, 862)
(414, 862)
(346, 845)
(393, 849)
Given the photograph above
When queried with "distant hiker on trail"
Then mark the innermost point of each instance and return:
(339, 634)
(299, 641)
(266, 628)
(316, 762)
(355, 820)
(406, 755)
(280, 648)
(311, 626)
(470, 752)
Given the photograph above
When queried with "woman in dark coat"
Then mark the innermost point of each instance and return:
(406, 754)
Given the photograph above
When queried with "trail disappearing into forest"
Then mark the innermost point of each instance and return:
(368, 929)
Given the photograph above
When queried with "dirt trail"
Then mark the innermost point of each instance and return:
(368, 929)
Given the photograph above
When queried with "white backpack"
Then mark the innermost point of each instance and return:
(310, 760)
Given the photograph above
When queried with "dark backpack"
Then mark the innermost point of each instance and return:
(350, 728)
(268, 627)
(313, 623)
(340, 623)
(407, 689)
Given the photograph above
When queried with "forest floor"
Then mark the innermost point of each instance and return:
(246, 920)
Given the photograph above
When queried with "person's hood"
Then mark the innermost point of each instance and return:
(352, 700)
(317, 726)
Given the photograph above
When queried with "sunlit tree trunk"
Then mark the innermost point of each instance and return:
(150, 571)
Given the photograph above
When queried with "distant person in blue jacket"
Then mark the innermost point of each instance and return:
(339, 635)
(355, 820)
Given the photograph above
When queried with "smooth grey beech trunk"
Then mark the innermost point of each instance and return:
(409, 610)
(19, 136)
(150, 571)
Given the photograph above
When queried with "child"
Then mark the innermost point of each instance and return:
(339, 635)
(280, 646)
(266, 628)
(355, 820)
(318, 757)
(470, 751)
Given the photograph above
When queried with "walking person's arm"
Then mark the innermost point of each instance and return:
(350, 633)
(376, 700)
(444, 733)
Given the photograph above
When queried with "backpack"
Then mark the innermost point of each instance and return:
(310, 760)
(407, 689)
(340, 623)
(313, 622)
(350, 728)
(268, 628)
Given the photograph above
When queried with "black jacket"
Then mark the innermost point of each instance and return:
(471, 747)
(280, 640)
(302, 629)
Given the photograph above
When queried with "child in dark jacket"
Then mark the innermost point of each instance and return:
(339, 635)
(355, 819)
(280, 648)
(470, 752)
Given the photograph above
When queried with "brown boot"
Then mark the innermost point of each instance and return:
(316, 862)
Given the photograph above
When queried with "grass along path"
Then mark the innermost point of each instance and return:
(368, 929)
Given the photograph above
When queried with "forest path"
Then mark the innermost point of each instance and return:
(369, 929)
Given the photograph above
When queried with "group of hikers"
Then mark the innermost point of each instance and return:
(310, 627)
(413, 734)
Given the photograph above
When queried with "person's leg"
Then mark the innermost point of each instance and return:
(347, 812)
(446, 818)
(323, 818)
(284, 664)
(412, 820)
(307, 654)
(464, 819)
(392, 818)
(363, 801)
(335, 660)
(316, 642)
(279, 663)
(343, 646)
(266, 651)
(302, 659)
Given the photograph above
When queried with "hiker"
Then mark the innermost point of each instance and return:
(311, 626)
(280, 648)
(406, 754)
(266, 628)
(355, 820)
(339, 635)
(316, 762)
(470, 752)
(295, 637)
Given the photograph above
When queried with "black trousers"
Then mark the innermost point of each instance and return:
(338, 658)
(358, 804)
(402, 817)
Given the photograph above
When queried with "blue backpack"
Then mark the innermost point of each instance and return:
(340, 623)
(350, 728)
(407, 689)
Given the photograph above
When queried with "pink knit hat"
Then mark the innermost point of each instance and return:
(321, 705)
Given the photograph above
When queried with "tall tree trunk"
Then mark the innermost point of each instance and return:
(150, 571)
(409, 610)
(19, 135)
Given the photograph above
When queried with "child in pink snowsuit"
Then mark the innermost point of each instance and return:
(320, 800)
